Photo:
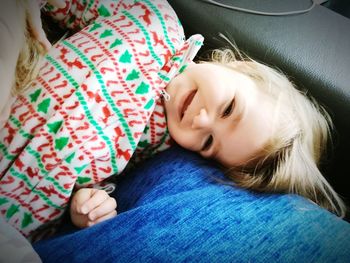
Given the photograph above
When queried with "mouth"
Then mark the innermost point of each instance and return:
(187, 101)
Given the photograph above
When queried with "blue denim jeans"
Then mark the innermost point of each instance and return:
(177, 208)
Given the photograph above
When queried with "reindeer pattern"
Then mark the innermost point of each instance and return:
(95, 103)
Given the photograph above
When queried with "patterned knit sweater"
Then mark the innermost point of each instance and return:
(95, 103)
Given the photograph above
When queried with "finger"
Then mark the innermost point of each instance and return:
(103, 218)
(96, 199)
(108, 206)
(79, 198)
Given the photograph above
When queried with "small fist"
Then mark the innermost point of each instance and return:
(90, 206)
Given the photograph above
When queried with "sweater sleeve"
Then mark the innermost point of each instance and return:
(76, 14)
(86, 112)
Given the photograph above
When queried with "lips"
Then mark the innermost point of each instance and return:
(187, 102)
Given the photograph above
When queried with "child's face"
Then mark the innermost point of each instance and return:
(219, 113)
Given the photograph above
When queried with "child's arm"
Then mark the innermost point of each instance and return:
(76, 14)
(90, 206)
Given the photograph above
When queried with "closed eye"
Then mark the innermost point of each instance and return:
(228, 110)
(208, 143)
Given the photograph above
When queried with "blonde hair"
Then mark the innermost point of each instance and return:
(290, 161)
(28, 62)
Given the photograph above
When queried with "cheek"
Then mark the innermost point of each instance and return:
(174, 131)
(181, 81)
(181, 137)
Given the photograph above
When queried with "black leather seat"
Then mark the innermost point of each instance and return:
(313, 49)
(340, 6)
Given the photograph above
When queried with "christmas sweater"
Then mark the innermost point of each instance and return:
(96, 102)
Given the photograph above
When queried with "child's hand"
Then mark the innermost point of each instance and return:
(90, 206)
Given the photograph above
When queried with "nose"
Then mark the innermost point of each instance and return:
(202, 120)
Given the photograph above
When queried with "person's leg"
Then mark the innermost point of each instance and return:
(172, 209)
(14, 247)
